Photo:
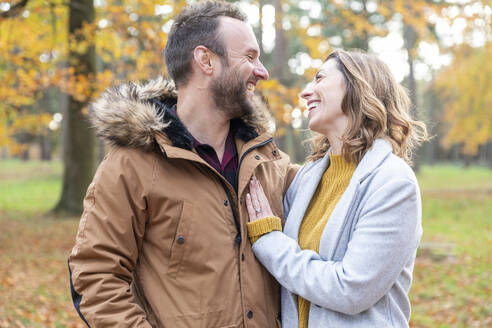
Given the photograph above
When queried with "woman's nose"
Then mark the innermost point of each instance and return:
(307, 92)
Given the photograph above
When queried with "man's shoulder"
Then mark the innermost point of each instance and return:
(129, 159)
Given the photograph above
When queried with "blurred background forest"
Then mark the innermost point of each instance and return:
(58, 55)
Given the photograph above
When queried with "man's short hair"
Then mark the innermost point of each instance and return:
(196, 25)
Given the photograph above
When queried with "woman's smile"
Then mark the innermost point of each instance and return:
(312, 105)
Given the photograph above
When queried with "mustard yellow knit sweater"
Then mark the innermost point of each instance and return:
(331, 187)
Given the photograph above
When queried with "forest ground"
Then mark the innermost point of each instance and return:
(452, 273)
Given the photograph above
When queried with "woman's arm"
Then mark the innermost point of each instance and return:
(385, 238)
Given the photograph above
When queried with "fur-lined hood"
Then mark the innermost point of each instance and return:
(131, 115)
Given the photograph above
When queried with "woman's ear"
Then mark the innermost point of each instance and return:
(203, 60)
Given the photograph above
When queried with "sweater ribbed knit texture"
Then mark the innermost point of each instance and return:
(258, 228)
(331, 187)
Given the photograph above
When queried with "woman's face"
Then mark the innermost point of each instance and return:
(324, 97)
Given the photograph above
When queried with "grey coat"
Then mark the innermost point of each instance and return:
(363, 272)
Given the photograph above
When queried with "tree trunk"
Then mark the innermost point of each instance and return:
(488, 154)
(46, 146)
(260, 30)
(79, 151)
(410, 37)
(365, 35)
(24, 140)
(280, 64)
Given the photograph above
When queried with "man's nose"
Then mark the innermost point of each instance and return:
(260, 71)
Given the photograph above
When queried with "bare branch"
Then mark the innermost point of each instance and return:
(14, 10)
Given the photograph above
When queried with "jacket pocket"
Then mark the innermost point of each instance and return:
(182, 238)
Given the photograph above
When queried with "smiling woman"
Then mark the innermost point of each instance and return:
(324, 100)
(353, 214)
(375, 106)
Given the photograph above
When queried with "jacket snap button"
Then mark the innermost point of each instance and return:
(257, 157)
(237, 240)
(226, 203)
(250, 314)
(181, 240)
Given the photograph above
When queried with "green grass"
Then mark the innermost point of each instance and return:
(452, 276)
(28, 188)
(453, 289)
(455, 177)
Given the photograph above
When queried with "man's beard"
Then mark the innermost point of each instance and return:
(229, 92)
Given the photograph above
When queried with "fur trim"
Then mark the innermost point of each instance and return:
(131, 114)
(122, 117)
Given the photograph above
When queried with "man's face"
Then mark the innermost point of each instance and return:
(233, 89)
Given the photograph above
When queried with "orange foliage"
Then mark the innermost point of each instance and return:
(466, 91)
(280, 100)
(129, 42)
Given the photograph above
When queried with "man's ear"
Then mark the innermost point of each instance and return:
(203, 59)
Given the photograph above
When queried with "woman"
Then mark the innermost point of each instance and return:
(353, 214)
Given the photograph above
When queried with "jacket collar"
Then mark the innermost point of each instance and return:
(307, 185)
(379, 151)
(178, 134)
(371, 160)
(134, 115)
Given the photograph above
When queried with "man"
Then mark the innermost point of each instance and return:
(162, 241)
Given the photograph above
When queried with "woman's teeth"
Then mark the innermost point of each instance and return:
(313, 106)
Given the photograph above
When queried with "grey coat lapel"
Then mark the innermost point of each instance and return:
(343, 210)
(304, 192)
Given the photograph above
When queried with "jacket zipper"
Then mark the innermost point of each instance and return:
(238, 238)
(245, 153)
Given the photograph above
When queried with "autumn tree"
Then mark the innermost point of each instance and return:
(79, 154)
(465, 89)
(29, 49)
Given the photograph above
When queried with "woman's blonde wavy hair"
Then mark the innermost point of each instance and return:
(376, 106)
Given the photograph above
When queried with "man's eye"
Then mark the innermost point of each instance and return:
(250, 57)
(317, 77)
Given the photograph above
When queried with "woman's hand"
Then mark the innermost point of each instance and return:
(256, 202)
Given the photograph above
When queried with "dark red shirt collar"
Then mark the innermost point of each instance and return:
(229, 164)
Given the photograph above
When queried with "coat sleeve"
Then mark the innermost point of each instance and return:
(294, 174)
(110, 233)
(384, 240)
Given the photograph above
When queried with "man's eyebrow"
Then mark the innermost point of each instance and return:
(252, 50)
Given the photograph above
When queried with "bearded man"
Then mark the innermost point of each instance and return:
(163, 241)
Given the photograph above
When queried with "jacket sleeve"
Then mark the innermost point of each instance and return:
(110, 234)
(384, 240)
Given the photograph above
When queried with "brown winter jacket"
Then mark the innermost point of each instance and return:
(163, 241)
